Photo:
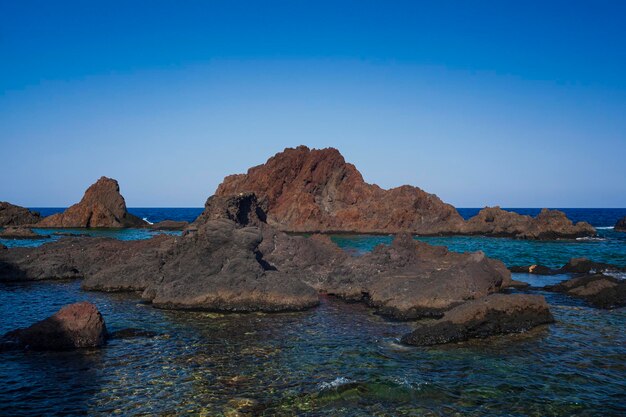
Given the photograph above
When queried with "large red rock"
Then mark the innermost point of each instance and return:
(101, 206)
(315, 190)
(11, 215)
(78, 325)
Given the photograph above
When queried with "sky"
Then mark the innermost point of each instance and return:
(511, 103)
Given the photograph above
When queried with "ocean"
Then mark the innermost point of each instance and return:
(339, 359)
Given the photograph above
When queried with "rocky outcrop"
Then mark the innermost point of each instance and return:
(548, 224)
(220, 268)
(78, 325)
(573, 266)
(168, 225)
(241, 208)
(315, 190)
(600, 291)
(14, 232)
(620, 226)
(101, 206)
(220, 264)
(304, 190)
(411, 279)
(11, 215)
(488, 316)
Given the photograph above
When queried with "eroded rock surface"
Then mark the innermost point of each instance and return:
(78, 325)
(315, 190)
(548, 224)
(101, 206)
(488, 316)
(12, 215)
(15, 232)
(601, 291)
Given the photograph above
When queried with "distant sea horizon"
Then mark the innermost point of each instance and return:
(597, 217)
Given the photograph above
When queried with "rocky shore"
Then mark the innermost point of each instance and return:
(11, 215)
(220, 264)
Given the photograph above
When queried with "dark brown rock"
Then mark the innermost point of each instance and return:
(14, 232)
(620, 226)
(241, 208)
(534, 269)
(488, 316)
(548, 224)
(220, 268)
(601, 291)
(586, 266)
(101, 206)
(411, 279)
(312, 190)
(11, 215)
(78, 325)
(168, 225)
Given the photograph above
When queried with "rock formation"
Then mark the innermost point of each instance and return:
(14, 232)
(600, 291)
(311, 190)
(491, 315)
(620, 226)
(305, 190)
(168, 225)
(548, 224)
(573, 266)
(78, 325)
(101, 206)
(11, 215)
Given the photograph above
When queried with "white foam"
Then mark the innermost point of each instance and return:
(334, 384)
(615, 274)
(591, 239)
(145, 219)
(605, 228)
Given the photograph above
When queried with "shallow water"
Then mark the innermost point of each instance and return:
(337, 359)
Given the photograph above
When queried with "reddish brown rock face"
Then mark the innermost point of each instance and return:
(78, 325)
(304, 190)
(101, 206)
(315, 190)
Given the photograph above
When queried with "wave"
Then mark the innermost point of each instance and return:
(605, 228)
(145, 219)
(337, 382)
(591, 239)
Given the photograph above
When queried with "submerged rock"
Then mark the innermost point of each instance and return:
(101, 206)
(573, 266)
(15, 232)
(12, 215)
(620, 226)
(488, 316)
(600, 291)
(315, 190)
(78, 325)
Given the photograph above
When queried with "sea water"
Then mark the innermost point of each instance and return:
(336, 359)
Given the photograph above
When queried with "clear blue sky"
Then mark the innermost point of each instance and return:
(517, 103)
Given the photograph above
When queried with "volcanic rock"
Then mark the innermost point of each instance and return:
(168, 225)
(491, 315)
(315, 190)
(304, 190)
(101, 206)
(548, 224)
(11, 215)
(15, 232)
(241, 208)
(219, 268)
(601, 291)
(573, 266)
(78, 325)
(411, 279)
(620, 226)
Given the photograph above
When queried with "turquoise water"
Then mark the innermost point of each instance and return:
(338, 359)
